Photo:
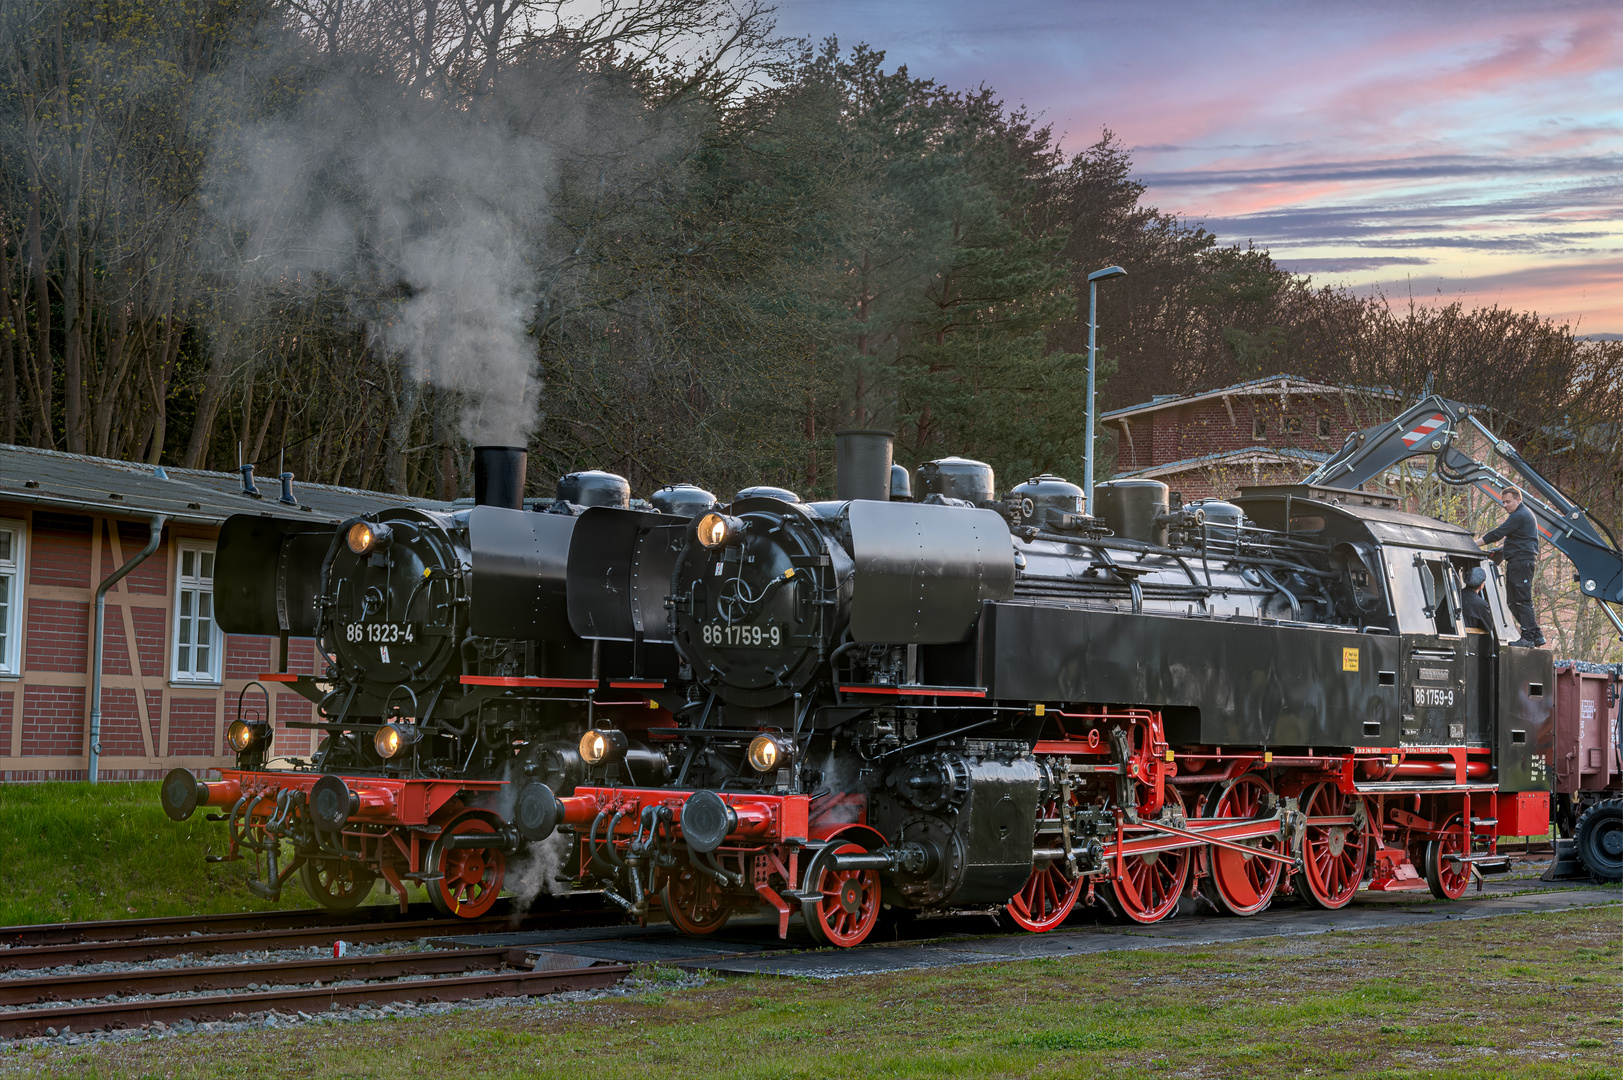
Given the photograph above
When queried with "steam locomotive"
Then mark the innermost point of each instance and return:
(839, 708)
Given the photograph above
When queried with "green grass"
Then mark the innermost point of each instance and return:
(1474, 1000)
(73, 851)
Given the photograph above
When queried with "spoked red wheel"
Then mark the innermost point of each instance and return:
(1147, 887)
(1448, 879)
(1236, 882)
(1048, 896)
(471, 877)
(845, 903)
(1045, 900)
(1334, 847)
(694, 901)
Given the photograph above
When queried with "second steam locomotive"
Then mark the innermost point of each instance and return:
(834, 709)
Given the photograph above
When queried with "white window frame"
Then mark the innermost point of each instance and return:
(11, 621)
(188, 590)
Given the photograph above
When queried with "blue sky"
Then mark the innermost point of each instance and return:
(1442, 150)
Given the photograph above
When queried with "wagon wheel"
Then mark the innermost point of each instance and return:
(1238, 883)
(1147, 887)
(1332, 855)
(337, 884)
(1448, 879)
(842, 905)
(471, 878)
(1048, 896)
(694, 901)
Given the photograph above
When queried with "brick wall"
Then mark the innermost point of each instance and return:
(55, 720)
(292, 740)
(192, 725)
(248, 657)
(1177, 433)
(58, 633)
(155, 716)
(120, 723)
(7, 696)
(60, 551)
(151, 640)
(115, 658)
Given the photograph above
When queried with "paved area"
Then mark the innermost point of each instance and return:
(751, 946)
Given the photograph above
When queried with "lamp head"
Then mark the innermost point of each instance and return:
(1107, 273)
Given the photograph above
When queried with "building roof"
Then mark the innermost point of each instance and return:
(1283, 385)
(1251, 455)
(76, 482)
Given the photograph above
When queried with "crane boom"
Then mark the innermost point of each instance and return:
(1432, 426)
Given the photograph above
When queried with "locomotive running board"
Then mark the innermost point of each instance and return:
(1405, 787)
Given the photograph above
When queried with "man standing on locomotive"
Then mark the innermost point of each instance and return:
(1520, 553)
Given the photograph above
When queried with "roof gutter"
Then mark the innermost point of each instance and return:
(118, 575)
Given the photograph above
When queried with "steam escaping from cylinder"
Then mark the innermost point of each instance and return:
(535, 870)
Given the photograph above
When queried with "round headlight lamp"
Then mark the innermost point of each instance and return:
(365, 537)
(241, 735)
(719, 530)
(600, 746)
(387, 742)
(768, 753)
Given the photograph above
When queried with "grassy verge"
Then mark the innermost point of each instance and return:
(1525, 996)
(71, 851)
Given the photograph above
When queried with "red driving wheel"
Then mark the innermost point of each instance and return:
(1147, 887)
(470, 877)
(1333, 849)
(844, 905)
(1236, 882)
(1048, 896)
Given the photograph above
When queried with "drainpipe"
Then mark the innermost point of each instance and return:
(101, 619)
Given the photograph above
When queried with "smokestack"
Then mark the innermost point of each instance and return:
(498, 476)
(862, 461)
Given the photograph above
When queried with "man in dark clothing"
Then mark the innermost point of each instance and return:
(1520, 553)
(1477, 614)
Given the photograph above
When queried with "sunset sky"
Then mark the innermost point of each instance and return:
(1439, 149)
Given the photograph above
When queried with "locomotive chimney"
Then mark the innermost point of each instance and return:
(862, 461)
(498, 476)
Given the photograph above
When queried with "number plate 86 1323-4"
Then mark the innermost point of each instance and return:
(379, 633)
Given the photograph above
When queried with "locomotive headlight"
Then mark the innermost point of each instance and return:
(602, 745)
(365, 537)
(719, 530)
(767, 752)
(393, 738)
(241, 735)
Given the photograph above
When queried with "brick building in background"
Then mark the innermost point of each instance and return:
(1266, 431)
(170, 678)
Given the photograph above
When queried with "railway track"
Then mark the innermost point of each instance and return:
(35, 934)
(294, 999)
(131, 997)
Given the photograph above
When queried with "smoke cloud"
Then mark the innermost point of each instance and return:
(434, 222)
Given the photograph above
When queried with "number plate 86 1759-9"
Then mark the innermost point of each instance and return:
(739, 635)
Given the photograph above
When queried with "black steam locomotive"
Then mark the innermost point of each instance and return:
(835, 708)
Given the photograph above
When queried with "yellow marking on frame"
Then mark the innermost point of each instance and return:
(1169, 755)
(1267, 757)
(1039, 709)
(1349, 659)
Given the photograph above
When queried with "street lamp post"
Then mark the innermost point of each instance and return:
(1093, 327)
